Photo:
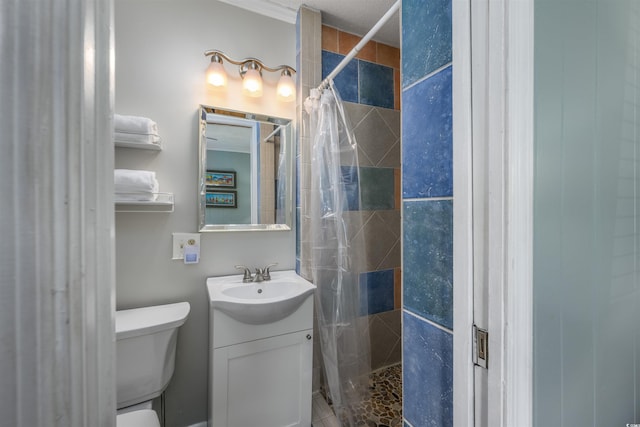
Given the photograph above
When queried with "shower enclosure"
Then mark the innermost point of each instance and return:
(374, 218)
(337, 254)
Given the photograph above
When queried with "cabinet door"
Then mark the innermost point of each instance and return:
(263, 383)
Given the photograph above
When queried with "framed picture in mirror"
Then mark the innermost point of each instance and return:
(222, 199)
(220, 179)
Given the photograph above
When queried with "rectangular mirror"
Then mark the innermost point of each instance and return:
(245, 171)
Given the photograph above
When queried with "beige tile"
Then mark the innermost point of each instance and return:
(392, 219)
(331, 422)
(363, 159)
(392, 118)
(329, 39)
(355, 220)
(397, 288)
(393, 319)
(356, 112)
(388, 55)
(391, 158)
(322, 407)
(383, 340)
(395, 356)
(393, 259)
(347, 41)
(374, 136)
(379, 241)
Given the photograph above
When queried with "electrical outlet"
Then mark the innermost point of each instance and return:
(182, 239)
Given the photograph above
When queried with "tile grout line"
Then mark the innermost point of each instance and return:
(426, 77)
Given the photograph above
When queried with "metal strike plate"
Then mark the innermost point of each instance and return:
(480, 347)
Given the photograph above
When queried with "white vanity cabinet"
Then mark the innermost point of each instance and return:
(260, 375)
(264, 383)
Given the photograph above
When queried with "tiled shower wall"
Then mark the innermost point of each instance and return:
(373, 92)
(308, 64)
(427, 193)
(368, 89)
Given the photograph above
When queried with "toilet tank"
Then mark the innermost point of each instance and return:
(146, 350)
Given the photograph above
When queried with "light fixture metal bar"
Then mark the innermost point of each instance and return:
(249, 60)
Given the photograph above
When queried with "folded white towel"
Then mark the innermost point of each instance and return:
(135, 124)
(136, 138)
(135, 181)
(135, 197)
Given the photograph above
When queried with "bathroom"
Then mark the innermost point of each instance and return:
(143, 240)
(159, 73)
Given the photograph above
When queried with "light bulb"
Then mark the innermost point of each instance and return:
(286, 88)
(252, 83)
(216, 75)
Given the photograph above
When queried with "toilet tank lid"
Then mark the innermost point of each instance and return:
(148, 320)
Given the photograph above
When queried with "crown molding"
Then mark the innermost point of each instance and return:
(266, 8)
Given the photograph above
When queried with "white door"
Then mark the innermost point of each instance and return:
(493, 104)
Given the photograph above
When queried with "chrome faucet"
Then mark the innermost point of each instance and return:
(259, 277)
(247, 273)
(266, 274)
(261, 273)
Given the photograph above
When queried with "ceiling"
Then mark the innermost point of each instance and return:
(354, 16)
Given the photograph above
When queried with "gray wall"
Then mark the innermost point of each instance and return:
(160, 67)
(586, 287)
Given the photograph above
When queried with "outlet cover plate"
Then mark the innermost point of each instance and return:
(182, 239)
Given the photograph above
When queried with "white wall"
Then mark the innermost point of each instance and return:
(160, 74)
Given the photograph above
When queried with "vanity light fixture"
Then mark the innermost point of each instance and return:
(250, 70)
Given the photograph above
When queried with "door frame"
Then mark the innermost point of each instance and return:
(507, 29)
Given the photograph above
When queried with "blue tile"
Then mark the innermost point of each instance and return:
(298, 232)
(428, 259)
(427, 372)
(427, 138)
(347, 80)
(426, 38)
(298, 170)
(377, 190)
(376, 84)
(376, 292)
(350, 180)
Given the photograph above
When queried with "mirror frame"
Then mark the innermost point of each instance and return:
(202, 167)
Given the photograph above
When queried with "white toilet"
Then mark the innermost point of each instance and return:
(145, 359)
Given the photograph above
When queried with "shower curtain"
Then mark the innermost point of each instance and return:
(338, 254)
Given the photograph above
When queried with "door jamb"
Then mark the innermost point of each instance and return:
(463, 384)
(510, 115)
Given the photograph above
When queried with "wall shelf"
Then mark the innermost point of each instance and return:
(162, 203)
(139, 146)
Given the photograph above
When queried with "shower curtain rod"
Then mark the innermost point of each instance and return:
(372, 32)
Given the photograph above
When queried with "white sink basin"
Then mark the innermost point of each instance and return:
(259, 302)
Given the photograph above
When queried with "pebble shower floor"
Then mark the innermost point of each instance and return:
(382, 409)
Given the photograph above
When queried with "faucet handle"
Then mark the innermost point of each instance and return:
(247, 273)
(266, 274)
(259, 275)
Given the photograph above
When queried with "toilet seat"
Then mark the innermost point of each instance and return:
(142, 418)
